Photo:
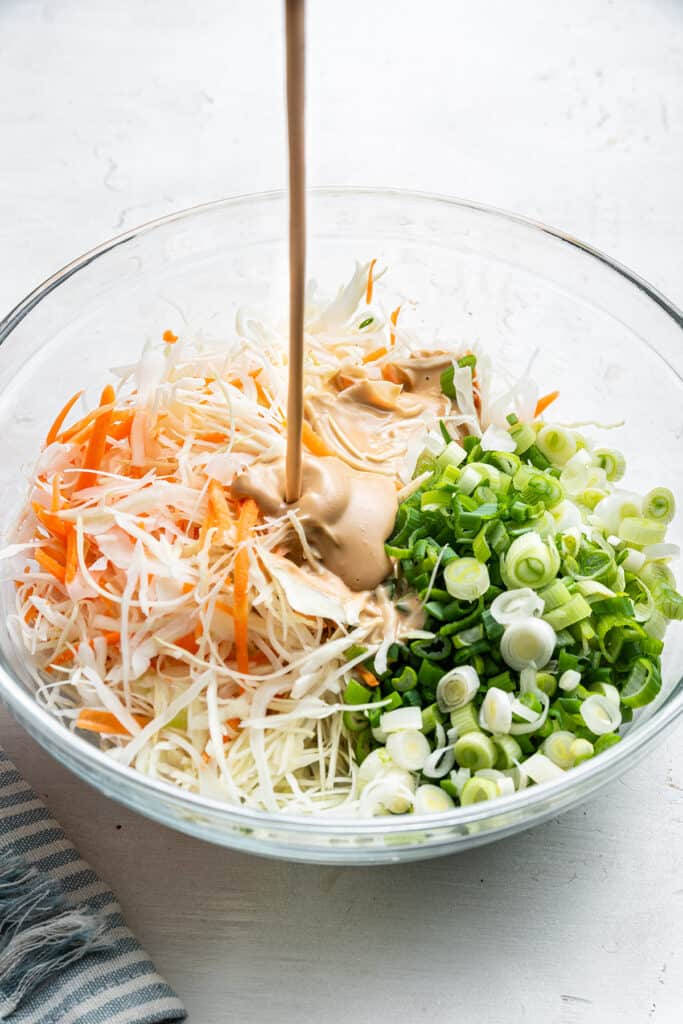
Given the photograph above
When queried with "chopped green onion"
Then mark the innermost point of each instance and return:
(643, 684)
(465, 720)
(356, 693)
(406, 681)
(659, 504)
(447, 383)
(523, 435)
(521, 603)
(401, 718)
(576, 609)
(431, 717)
(569, 680)
(496, 713)
(641, 531)
(527, 642)
(457, 688)
(529, 562)
(408, 749)
(477, 790)
(557, 444)
(605, 742)
(612, 461)
(546, 683)
(430, 799)
(365, 323)
(558, 747)
(452, 455)
(475, 750)
(600, 714)
(466, 579)
(509, 751)
(540, 768)
(581, 750)
(355, 721)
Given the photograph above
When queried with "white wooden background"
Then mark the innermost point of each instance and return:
(572, 112)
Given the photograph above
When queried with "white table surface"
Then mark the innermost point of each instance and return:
(572, 112)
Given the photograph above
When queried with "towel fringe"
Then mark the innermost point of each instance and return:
(40, 934)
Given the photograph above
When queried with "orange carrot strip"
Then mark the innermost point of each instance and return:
(375, 354)
(71, 556)
(170, 337)
(120, 428)
(213, 437)
(248, 515)
(94, 720)
(188, 643)
(57, 425)
(95, 451)
(53, 523)
(65, 655)
(50, 564)
(79, 430)
(367, 677)
(371, 283)
(390, 373)
(112, 636)
(219, 506)
(56, 496)
(543, 403)
(394, 319)
(223, 606)
(314, 442)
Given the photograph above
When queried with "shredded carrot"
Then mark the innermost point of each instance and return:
(220, 509)
(53, 523)
(112, 636)
(213, 437)
(543, 403)
(50, 564)
(390, 373)
(234, 723)
(314, 442)
(394, 319)
(65, 655)
(170, 337)
(371, 283)
(61, 416)
(223, 606)
(98, 438)
(30, 615)
(56, 496)
(94, 720)
(367, 677)
(121, 424)
(247, 517)
(71, 555)
(205, 757)
(80, 431)
(376, 353)
(188, 643)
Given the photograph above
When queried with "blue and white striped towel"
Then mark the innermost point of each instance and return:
(72, 938)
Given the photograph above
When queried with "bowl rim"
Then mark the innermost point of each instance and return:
(70, 748)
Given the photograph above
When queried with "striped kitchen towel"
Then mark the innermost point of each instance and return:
(66, 955)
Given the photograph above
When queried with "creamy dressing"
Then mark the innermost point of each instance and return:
(347, 515)
(372, 423)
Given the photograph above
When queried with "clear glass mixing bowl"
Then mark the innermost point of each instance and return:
(610, 342)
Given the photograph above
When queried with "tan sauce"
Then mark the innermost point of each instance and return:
(295, 47)
(346, 515)
(372, 422)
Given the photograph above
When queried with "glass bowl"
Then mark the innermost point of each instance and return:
(606, 338)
